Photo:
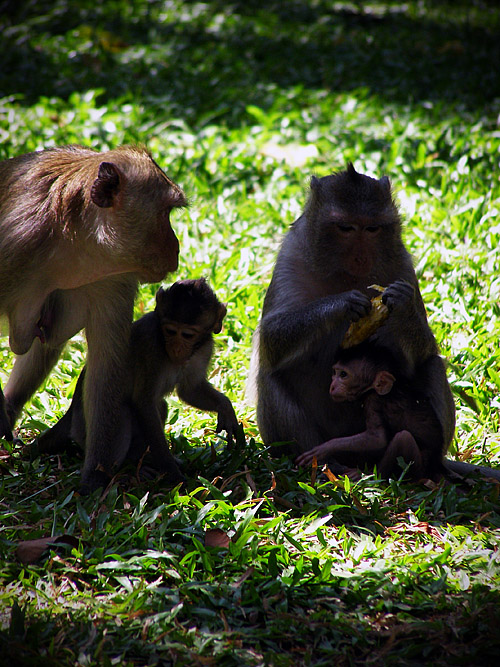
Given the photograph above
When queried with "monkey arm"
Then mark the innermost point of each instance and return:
(105, 384)
(406, 331)
(205, 397)
(372, 441)
(286, 334)
(368, 442)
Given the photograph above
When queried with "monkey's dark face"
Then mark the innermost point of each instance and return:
(181, 340)
(352, 224)
(348, 381)
(358, 240)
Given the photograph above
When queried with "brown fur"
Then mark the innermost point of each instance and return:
(78, 230)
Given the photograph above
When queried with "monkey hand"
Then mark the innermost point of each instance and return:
(227, 421)
(321, 453)
(366, 326)
(400, 295)
(357, 305)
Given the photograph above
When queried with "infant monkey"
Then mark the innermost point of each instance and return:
(400, 420)
(170, 348)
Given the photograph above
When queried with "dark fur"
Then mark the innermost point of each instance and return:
(348, 238)
(78, 230)
(400, 423)
(153, 373)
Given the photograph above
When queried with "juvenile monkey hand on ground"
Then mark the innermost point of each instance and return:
(366, 326)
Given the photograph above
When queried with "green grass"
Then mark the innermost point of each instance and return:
(241, 102)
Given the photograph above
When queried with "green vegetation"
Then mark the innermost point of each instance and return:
(241, 102)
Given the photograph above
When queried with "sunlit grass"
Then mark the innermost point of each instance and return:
(241, 103)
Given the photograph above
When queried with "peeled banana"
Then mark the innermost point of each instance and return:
(366, 326)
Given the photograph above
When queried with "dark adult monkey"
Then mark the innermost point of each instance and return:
(349, 237)
(78, 230)
(400, 420)
(170, 348)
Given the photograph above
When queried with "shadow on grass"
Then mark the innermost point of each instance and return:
(455, 629)
(212, 59)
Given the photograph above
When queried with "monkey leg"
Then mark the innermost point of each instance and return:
(5, 426)
(29, 371)
(56, 439)
(63, 315)
(402, 445)
(149, 433)
(107, 431)
(70, 428)
(282, 419)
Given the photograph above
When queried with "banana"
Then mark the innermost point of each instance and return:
(366, 326)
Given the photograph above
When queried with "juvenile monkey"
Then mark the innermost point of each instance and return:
(400, 420)
(78, 230)
(348, 238)
(170, 348)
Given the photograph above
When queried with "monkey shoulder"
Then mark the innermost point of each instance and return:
(147, 348)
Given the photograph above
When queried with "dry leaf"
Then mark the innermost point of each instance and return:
(32, 550)
(215, 537)
(244, 577)
(314, 470)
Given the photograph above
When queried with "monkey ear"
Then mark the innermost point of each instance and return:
(106, 186)
(160, 295)
(385, 183)
(351, 171)
(383, 382)
(217, 328)
(315, 184)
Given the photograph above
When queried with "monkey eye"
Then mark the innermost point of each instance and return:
(187, 335)
(372, 229)
(345, 228)
(343, 374)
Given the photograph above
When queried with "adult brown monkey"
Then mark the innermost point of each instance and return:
(349, 237)
(170, 348)
(78, 230)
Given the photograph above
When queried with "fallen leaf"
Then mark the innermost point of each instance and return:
(314, 470)
(216, 537)
(244, 577)
(30, 551)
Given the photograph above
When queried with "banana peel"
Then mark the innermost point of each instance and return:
(366, 326)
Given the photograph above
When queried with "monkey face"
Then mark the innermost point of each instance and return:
(348, 382)
(339, 387)
(181, 340)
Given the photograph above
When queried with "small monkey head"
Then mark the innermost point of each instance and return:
(353, 376)
(189, 314)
